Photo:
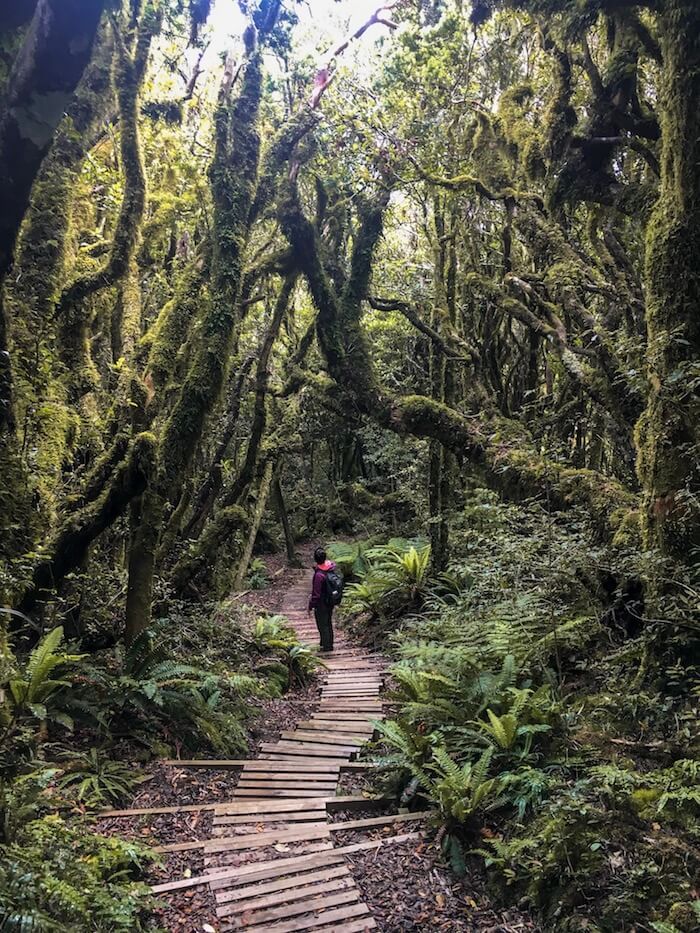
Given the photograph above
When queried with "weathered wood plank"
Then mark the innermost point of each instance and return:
(388, 820)
(242, 819)
(270, 784)
(324, 919)
(323, 750)
(281, 884)
(250, 840)
(306, 894)
(325, 738)
(319, 902)
(219, 878)
(336, 725)
(258, 793)
(271, 806)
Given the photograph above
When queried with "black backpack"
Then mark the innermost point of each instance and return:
(332, 588)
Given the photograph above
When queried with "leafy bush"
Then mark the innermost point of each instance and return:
(150, 691)
(395, 580)
(56, 876)
(299, 662)
(97, 780)
(258, 577)
(33, 692)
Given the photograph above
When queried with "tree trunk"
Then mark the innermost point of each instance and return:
(669, 431)
(259, 511)
(142, 559)
(55, 52)
(292, 559)
(81, 528)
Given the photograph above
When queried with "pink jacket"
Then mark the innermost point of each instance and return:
(316, 598)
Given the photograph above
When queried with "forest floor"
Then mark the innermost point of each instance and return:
(406, 885)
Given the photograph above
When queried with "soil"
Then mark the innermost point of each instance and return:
(408, 888)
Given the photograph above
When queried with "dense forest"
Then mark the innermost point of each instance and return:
(420, 282)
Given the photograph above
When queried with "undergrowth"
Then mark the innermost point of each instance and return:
(550, 719)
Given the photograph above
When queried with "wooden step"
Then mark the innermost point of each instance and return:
(325, 738)
(224, 877)
(308, 749)
(306, 892)
(245, 892)
(259, 920)
(329, 918)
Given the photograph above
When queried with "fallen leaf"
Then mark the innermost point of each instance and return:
(208, 928)
(281, 847)
(187, 873)
(440, 900)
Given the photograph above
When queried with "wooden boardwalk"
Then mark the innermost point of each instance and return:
(270, 860)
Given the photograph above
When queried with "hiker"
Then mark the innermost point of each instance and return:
(326, 593)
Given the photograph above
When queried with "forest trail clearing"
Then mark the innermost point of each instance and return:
(269, 859)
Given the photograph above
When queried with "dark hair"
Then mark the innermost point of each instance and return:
(319, 555)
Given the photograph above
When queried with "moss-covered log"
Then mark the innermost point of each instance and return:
(669, 431)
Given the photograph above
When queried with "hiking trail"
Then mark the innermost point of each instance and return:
(270, 860)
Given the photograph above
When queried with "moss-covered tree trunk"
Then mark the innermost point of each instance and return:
(669, 431)
(233, 175)
(74, 322)
(258, 512)
(55, 52)
(282, 514)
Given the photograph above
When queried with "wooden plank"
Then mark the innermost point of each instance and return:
(352, 926)
(357, 706)
(304, 893)
(324, 919)
(335, 725)
(344, 716)
(271, 784)
(325, 738)
(381, 820)
(281, 884)
(250, 840)
(259, 764)
(259, 793)
(324, 750)
(223, 877)
(311, 763)
(319, 902)
(240, 819)
(271, 806)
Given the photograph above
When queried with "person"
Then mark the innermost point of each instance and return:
(323, 610)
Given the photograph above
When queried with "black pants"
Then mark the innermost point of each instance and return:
(324, 623)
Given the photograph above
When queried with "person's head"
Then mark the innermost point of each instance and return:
(319, 555)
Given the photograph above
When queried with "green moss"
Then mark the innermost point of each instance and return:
(668, 435)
